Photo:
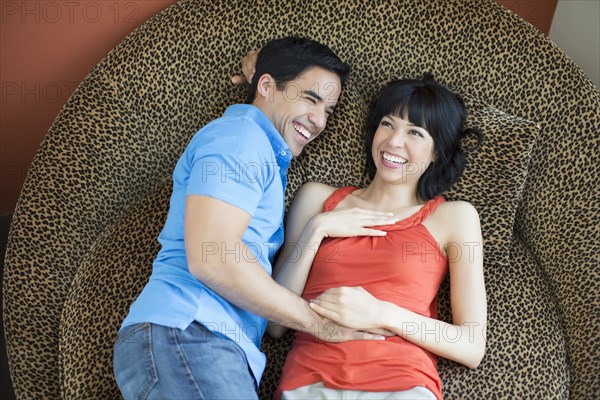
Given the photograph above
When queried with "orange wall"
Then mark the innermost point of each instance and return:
(47, 47)
(538, 13)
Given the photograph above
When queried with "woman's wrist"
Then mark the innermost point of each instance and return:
(315, 229)
(391, 316)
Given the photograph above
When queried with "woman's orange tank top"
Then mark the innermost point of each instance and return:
(405, 267)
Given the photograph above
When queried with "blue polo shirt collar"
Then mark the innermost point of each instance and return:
(283, 155)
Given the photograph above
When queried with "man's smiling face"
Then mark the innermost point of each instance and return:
(300, 110)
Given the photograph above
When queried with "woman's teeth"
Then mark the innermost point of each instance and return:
(394, 159)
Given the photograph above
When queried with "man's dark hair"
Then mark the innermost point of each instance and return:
(430, 105)
(285, 59)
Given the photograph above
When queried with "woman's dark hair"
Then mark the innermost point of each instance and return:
(285, 59)
(432, 106)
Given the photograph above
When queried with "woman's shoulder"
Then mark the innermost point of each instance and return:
(457, 208)
(308, 201)
(452, 221)
(457, 216)
(312, 196)
(315, 191)
(451, 214)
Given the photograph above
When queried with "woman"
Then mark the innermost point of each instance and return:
(386, 278)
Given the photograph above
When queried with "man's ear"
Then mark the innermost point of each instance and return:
(266, 85)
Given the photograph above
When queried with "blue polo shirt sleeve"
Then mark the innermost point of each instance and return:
(230, 161)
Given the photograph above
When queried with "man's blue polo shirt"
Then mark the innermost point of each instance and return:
(241, 159)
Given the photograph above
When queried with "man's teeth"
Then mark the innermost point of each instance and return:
(302, 131)
(394, 159)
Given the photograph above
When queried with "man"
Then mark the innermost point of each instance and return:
(195, 330)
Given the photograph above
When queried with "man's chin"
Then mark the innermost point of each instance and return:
(296, 151)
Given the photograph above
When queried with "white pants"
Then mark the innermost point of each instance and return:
(318, 391)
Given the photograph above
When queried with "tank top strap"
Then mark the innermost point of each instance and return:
(431, 205)
(417, 218)
(337, 196)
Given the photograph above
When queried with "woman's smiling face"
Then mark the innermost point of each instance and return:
(401, 149)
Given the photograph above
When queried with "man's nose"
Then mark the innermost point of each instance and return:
(319, 119)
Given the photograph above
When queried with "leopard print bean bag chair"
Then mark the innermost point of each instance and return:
(84, 231)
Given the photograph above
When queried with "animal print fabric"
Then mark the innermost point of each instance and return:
(84, 230)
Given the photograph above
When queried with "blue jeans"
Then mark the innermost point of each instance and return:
(157, 362)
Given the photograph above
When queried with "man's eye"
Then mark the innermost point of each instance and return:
(311, 99)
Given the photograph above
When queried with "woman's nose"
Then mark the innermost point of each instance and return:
(397, 138)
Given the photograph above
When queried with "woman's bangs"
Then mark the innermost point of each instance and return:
(418, 113)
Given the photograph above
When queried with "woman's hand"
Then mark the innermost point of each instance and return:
(248, 68)
(352, 222)
(353, 307)
(331, 331)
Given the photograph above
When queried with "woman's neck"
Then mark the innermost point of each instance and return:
(387, 196)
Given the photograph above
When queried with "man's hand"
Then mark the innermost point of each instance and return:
(248, 68)
(326, 329)
(330, 331)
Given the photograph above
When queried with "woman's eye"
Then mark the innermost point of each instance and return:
(386, 124)
(416, 133)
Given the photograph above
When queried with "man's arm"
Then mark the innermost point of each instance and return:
(211, 223)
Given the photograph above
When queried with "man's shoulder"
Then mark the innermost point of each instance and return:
(237, 126)
(236, 134)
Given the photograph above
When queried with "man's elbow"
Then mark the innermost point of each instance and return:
(202, 268)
